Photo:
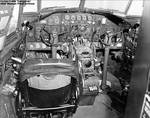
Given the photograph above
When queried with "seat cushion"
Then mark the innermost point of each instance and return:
(49, 82)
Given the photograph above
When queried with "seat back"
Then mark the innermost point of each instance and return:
(48, 67)
(49, 82)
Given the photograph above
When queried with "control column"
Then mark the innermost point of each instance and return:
(54, 48)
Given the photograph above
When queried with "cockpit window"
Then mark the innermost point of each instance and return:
(3, 22)
(136, 8)
(5, 16)
(115, 5)
(60, 3)
(14, 20)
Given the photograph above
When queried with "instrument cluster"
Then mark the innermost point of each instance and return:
(77, 18)
(72, 24)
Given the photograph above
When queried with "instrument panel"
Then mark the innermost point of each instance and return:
(77, 18)
(69, 18)
(71, 23)
(74, 18)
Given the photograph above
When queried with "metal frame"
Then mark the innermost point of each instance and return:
(140, 73)
(128, 6)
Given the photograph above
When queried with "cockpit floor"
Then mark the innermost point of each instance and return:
(100, 109)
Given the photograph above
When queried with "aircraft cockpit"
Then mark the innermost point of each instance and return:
(59, 55)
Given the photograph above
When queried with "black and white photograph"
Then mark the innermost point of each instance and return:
(74, 58)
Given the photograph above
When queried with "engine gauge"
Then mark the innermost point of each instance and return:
(73, 17)
(56, 19)
(30, 34)
(82, 28)
(79, 17)
(84, 17)
(90, 18)
(67, 17)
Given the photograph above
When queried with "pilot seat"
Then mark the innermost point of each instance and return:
(48, 87)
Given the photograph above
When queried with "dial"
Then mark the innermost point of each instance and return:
(67, 17)
(84, 17)
(56, 19)
(73, 17)
(79, 17)
(90, 18)
(82, 28)
(30, 34)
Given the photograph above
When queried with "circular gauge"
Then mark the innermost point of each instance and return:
(82, 28)
(67, 17)
(31, 46)
(30, 34)
(90, 18)
(78, 17)
(73, 17)
(84, 17)
(56, 19)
